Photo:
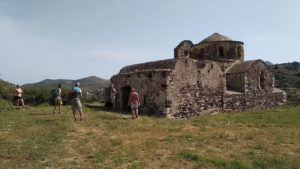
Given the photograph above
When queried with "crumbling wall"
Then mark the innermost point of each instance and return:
(151, 86)
(183, 50)
(195, 90)
(258, 91)
(211, 80)
(258, 96)
(234, 102)
(183, 76)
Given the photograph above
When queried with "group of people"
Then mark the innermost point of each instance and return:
(133, 101)
(74, 95)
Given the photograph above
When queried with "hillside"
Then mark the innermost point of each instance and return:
(6, 89)
(287, 77)
(88, 84)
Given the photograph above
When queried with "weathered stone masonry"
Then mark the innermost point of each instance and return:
(202, 78)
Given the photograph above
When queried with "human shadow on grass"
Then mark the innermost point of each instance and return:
(38, 114)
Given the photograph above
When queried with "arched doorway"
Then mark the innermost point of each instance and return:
(125, 97)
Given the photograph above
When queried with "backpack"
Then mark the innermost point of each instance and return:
(71, 95)
(54, 93)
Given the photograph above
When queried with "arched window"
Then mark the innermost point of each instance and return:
(186, 53)
(261, 80)
(239, 52)
(221, 52)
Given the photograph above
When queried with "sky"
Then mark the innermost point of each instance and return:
(73, 39)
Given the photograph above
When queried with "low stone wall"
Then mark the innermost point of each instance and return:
(197, 101)
(253, 101)
(234, 102)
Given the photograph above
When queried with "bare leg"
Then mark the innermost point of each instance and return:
(74, 112)
(17, 103)
(54, 109)
(133, 113)
(23, 104)
(59, 108)
(136, 112)
(80, 113)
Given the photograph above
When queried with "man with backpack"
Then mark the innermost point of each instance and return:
(76, 103)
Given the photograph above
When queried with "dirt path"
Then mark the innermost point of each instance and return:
(73, 145)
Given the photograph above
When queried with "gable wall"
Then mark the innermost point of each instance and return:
(194, 91)
(151, 87)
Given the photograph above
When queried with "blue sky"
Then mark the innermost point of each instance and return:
(72, 39)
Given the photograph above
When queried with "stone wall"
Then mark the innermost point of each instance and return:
(193, 90)
(151, 86)
(184, 74)
(234, 102)
(212, 50)
(258, 92)
(183, 50)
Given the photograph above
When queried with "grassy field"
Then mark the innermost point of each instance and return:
(34, 138)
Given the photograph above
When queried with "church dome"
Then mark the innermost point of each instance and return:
(216, 37)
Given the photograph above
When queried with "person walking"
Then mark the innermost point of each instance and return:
(113, 93)
(134, 103)
(18, 97)
(57, 100)
(76, 103)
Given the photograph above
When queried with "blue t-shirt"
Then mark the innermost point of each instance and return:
(77, 92)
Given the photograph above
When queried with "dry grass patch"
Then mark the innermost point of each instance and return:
(35, 139)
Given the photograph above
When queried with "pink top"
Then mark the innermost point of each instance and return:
(19, 92)
(134, 98)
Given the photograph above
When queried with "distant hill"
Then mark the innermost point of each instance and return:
(287, 77)
(88, 84)
(6, 93)
(268, 62)
(5, 83)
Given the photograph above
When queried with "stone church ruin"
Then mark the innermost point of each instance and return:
(210, 76)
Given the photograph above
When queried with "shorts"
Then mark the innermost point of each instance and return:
(134, 106)
(58, 101)
(17, 97)
(76, 105)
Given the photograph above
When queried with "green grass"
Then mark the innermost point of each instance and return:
(34, 138)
